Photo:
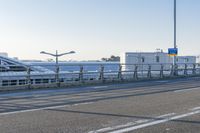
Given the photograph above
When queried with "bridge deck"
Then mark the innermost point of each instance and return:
(154, 106)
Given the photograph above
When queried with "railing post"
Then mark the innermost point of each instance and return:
(175, 70)
(149, 72)
(57, 76)
(194, 69)
(161, 71)
(102, 73)
(185, 70)
(28, 80)
(172, 70)
(120, 73)
(81, 74)
(135, 76)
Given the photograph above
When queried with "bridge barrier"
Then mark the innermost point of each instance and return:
(73, 74)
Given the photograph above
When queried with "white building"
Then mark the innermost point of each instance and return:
(142, 59)
(4, 54)
(145, 58)
(198, 59)
(186, 59)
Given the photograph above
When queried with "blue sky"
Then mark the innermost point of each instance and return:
(96, 28)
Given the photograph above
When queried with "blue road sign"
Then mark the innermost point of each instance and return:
(172, 51)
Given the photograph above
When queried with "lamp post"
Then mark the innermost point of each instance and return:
(56, 55)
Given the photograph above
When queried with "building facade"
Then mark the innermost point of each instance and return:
(142, 59)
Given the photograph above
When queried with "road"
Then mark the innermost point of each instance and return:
(162, 106)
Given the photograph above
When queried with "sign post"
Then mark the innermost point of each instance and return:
(173, 52)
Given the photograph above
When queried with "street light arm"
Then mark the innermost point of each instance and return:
(43, 52)
(71, 52)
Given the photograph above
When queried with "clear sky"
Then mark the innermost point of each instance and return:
(96, 28)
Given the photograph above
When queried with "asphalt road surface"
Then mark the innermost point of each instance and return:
(166, 106)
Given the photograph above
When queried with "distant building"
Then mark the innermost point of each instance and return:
(145, 58)
(4, 54)
(186, 59)
(198, 59)
(155, 58)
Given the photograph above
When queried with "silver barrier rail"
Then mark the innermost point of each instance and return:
(34, 76)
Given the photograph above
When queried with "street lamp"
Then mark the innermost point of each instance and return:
(57, 55)
(57, 67)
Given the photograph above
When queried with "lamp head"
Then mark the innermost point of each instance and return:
(42, 52)
(72, 52)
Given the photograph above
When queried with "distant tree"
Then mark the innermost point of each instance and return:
(104, 59)
(114, 58)
(50, 60)
(111, 59)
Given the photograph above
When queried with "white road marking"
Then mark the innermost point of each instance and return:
(99, 87)
(82, 103)
(45, 108)
(195, 108)
(156, 122)
(162, 81)
(166, 115)
(141, 121)
(185, 90)
(107, 129)
(113, 128)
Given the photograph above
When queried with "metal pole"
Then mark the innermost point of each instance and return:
(81, 74)
(120, 72)
(102, 73)
(57, 70)
(149, 72)
(175, 46)
(56, 58)
(29, 77)
(175, 30)
(161, 71)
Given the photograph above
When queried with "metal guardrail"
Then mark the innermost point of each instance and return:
(74, 74)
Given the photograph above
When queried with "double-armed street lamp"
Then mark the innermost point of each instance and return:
(56, 55)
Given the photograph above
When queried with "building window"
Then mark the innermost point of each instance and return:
(157, 59)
